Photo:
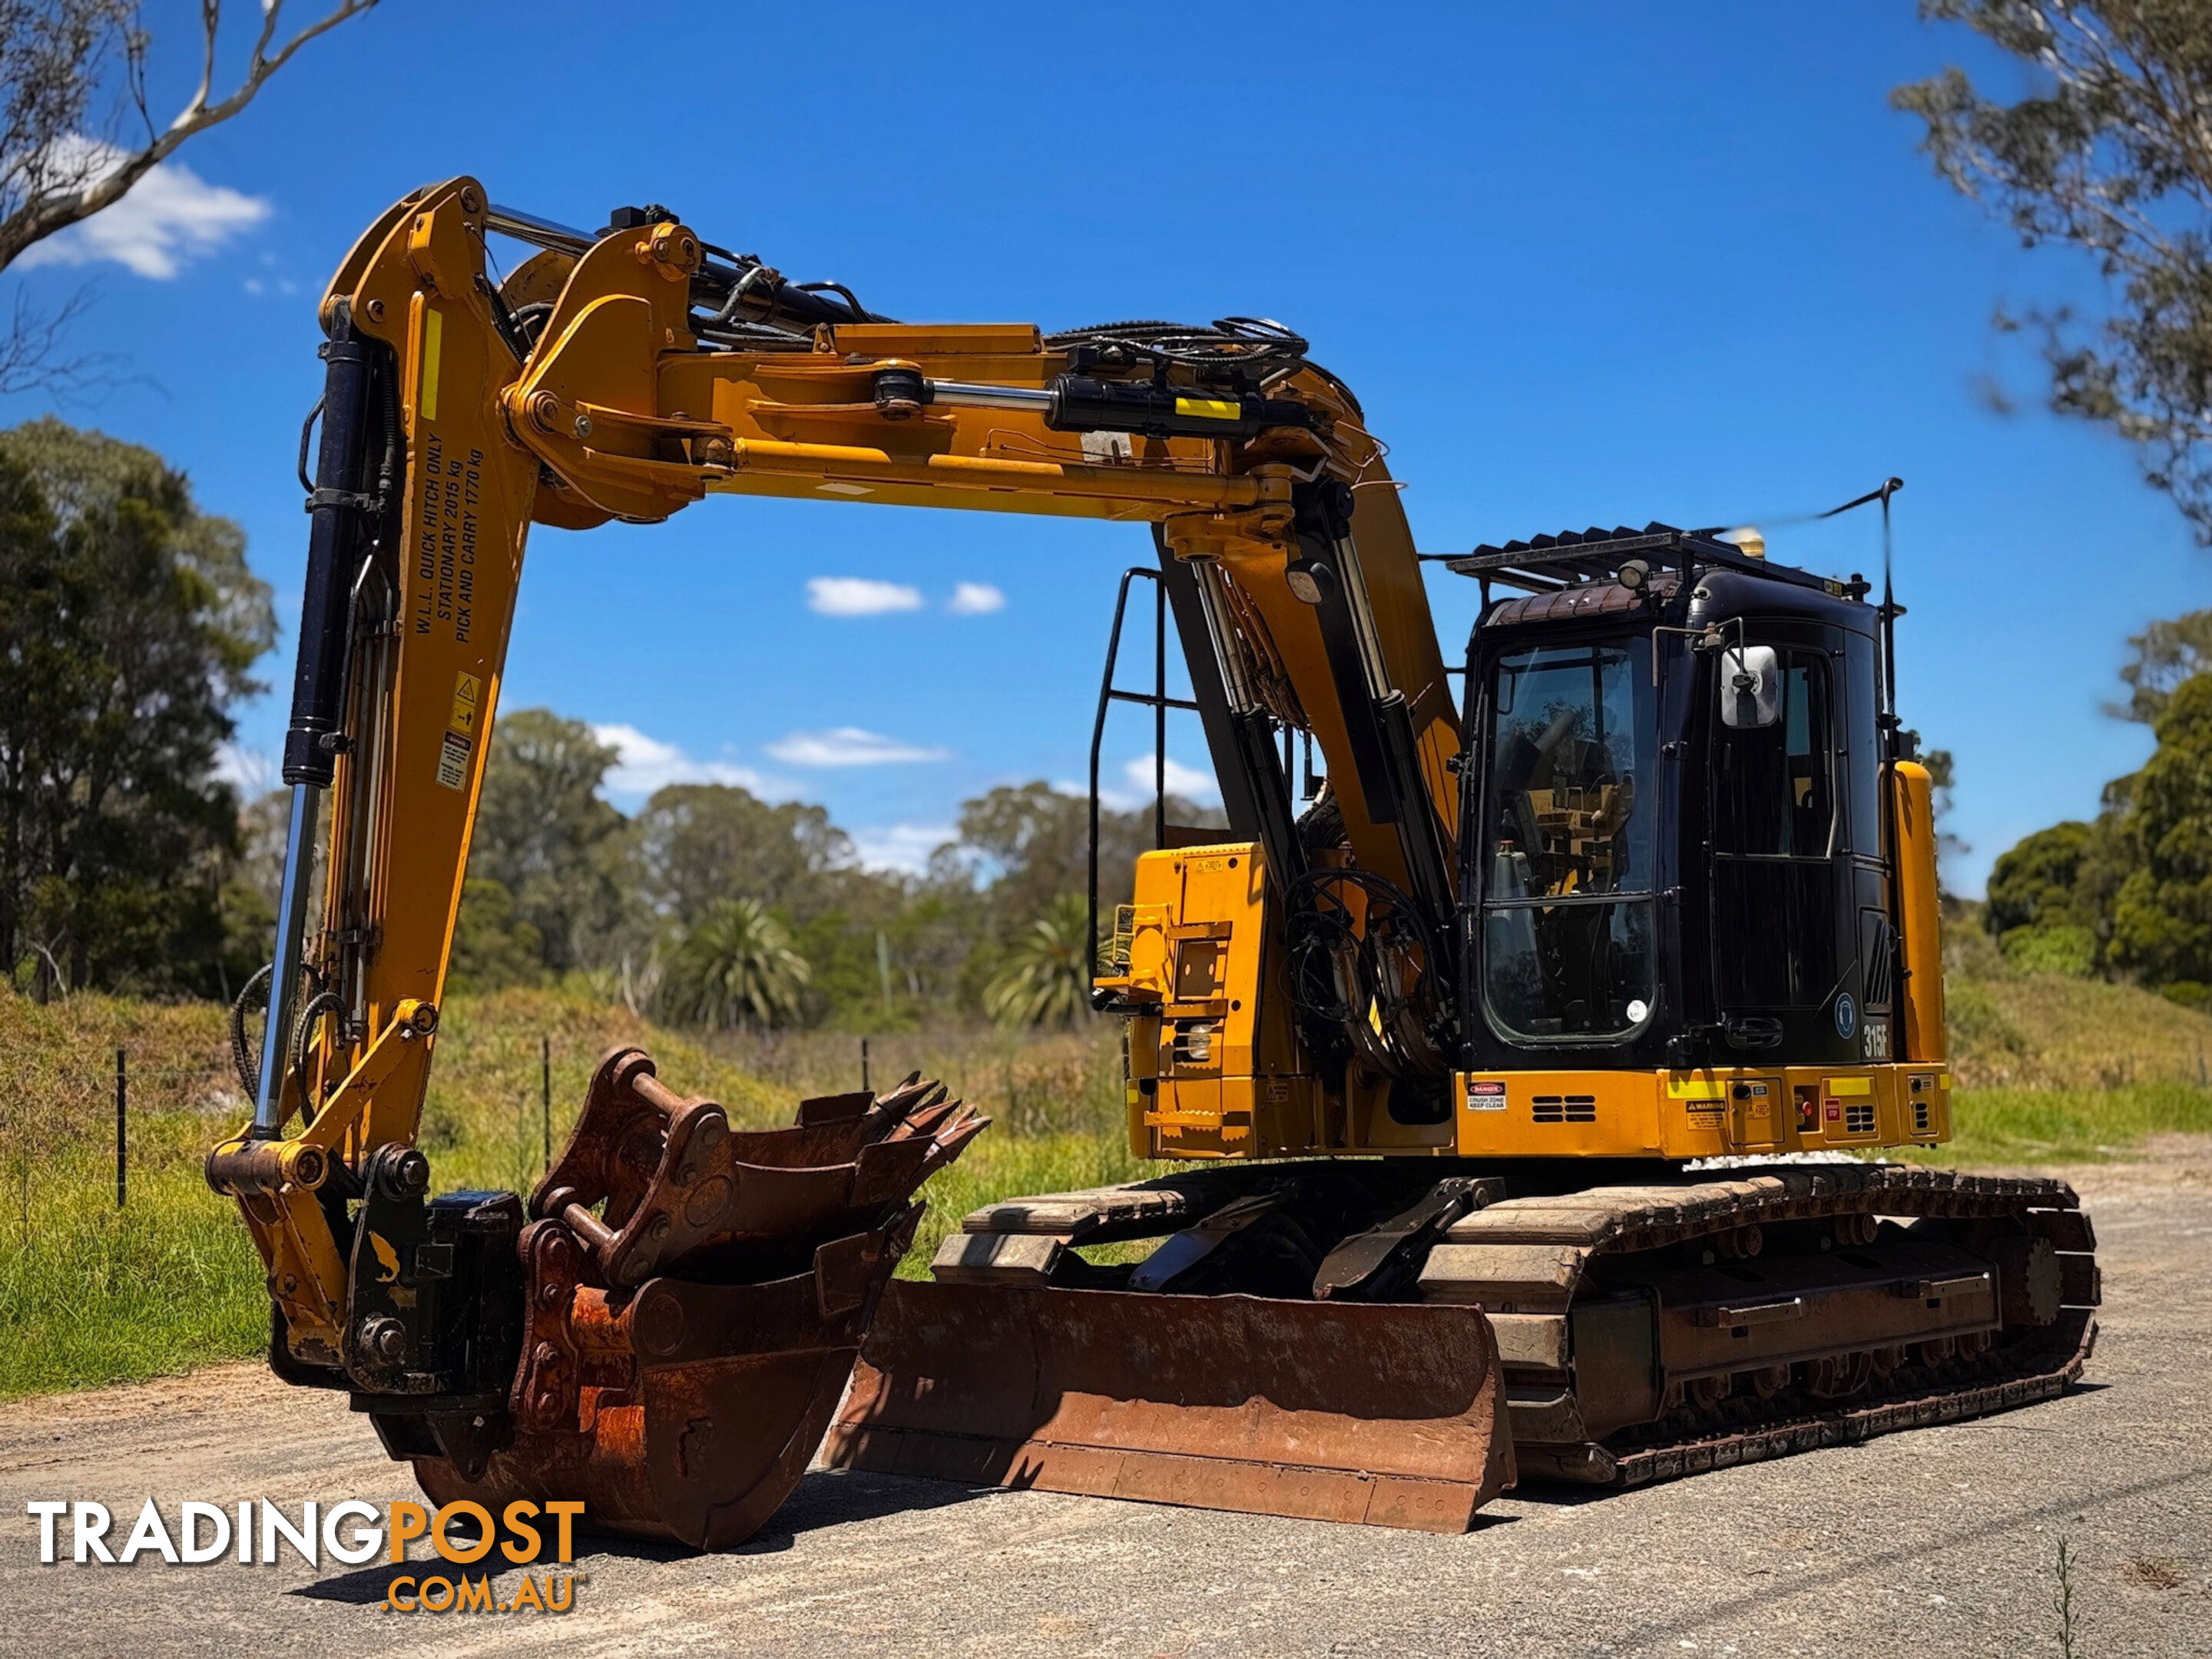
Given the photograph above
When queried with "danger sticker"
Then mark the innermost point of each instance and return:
(453, 761)
(1485, 1097)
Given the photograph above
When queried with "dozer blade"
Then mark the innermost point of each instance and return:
(694, 1299)
(1393, 1415)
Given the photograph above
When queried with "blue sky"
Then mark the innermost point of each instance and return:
(1583, 264)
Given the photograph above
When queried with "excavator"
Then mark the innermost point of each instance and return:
(1524, 1063)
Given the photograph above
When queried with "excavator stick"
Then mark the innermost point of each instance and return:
(1392, 1415)
(694, 1299)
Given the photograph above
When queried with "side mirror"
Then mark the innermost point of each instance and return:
(1751, 686)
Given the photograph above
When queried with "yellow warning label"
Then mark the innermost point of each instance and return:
(1209, 408)
(1693, 1085)
(426, 389)
(1851, 1086)
(466, 689)
(460, 742)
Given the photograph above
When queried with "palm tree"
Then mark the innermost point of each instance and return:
(1045, 978)
(735, 966)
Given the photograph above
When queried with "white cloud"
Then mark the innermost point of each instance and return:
(975, 599)
(1187, 781)
(167, 218)
(903, 847)
(644, 764)
(849, 746)
(860, 596)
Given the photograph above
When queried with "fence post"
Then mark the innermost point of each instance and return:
(864, 1062)
(122, 1110)
(546, 1094)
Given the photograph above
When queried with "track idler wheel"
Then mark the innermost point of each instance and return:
(694, 1299)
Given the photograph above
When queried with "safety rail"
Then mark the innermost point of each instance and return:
(1159, 703)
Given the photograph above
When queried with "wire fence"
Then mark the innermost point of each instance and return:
(68, 1125)
(92, 1126)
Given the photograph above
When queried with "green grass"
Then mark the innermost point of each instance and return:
(2052, 1071)
(994, 1168)
(89, 1296)
(2087, 1125)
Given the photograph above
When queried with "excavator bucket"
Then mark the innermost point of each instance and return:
(694, 1298)
(1393, 1415)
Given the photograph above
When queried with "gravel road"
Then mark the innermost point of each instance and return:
(1943, 1542)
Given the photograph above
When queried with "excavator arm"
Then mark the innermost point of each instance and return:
(622, 376)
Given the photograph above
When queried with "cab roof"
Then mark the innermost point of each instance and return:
(1552, 563)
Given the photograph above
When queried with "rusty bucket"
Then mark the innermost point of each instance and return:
(1387, 1414)
(695, 1298)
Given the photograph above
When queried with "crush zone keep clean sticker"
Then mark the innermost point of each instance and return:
(460, 733)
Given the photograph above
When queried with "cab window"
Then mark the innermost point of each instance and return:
(1774, 787)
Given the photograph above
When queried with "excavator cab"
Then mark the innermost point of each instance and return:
(1677, 843)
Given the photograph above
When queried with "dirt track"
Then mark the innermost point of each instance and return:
(1942, 1542)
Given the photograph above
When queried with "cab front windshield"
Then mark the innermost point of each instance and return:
(1567, 903)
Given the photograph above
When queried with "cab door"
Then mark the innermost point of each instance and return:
(1784, 886)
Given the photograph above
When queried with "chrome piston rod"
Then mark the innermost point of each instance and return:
(284, 979)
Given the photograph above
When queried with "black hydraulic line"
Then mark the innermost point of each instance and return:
(1259, 758)
(1324, 519)
(1420, 838)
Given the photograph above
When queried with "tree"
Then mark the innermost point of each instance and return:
(127, 624)
(2034, 883)
(77, 129)
(2162, 915)
(2044, 916)
(1045, 976)
(2107, 153)
(734, 967)
(1025, 846)
(542, 833)
(2159, 659)
(494, 946)
(698, 844)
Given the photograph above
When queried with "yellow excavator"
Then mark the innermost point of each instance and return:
(1527, 1052)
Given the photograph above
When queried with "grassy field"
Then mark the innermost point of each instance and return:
(90, 1294)
(2052, 1071)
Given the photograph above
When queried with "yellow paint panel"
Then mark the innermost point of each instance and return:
(433, 334)
(1849, 1085)
(1694, 1085)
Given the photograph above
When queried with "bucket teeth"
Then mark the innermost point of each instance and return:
(696, 1296)
(677, 1189)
